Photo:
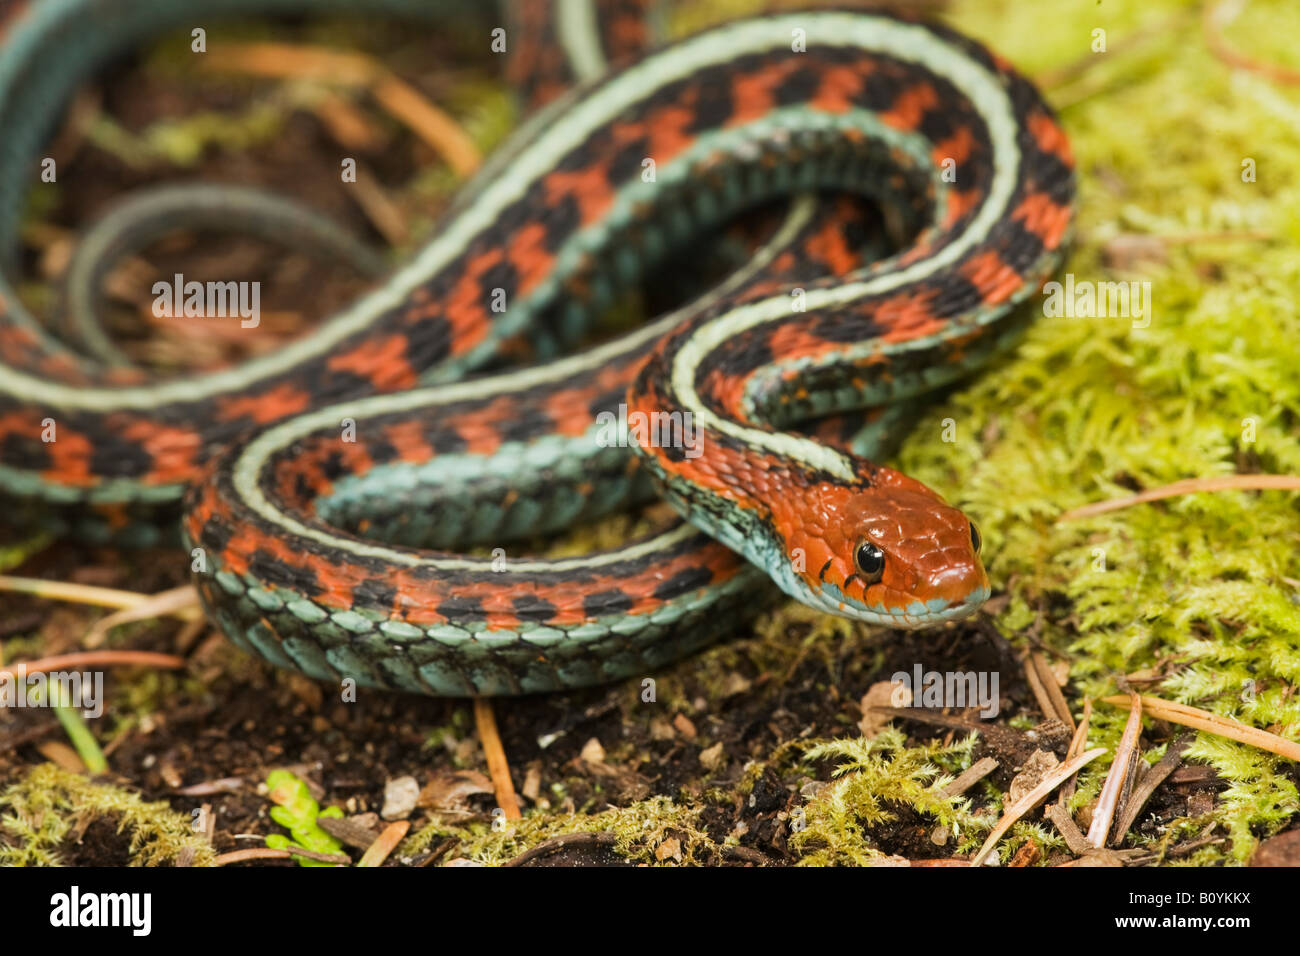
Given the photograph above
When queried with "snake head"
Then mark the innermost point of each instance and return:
(889, 551)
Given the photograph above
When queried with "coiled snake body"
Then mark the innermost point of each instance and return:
(328, 484)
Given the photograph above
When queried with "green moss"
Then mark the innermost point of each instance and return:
(1202, 586)
(49, 805)
(873, 780)
(640, 829)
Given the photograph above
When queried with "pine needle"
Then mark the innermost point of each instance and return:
(1031, 799)
(1213, 724)
(1187, 487)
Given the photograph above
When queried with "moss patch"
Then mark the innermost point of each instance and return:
(44, 815)
(1199, 592)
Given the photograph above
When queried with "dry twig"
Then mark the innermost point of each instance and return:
(378, 851)
(971, 776)
(498, 766)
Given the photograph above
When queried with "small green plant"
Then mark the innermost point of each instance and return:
(297, 811)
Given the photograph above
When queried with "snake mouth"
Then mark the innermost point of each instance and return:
(917, 614)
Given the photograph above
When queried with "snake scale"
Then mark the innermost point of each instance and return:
(335, 490)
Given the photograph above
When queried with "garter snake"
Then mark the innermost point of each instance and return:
(333, 487)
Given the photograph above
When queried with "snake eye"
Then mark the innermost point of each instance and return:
(871, 561)
(975, 540)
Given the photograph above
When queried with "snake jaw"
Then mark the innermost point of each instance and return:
(886, 607)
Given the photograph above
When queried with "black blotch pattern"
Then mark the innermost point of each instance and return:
(334, 466)
(269, 568)
(713, 108)
(530, 607)
(501, 275)
(1028, 247)
(798, 87)
(427, 348)
(462, 609)
(533, 423)
(625, 164)
(1050, 175)
(380, 449)
(580, 157)
(113, 459)
(215, 536)
(938, 124)
(561, 220)
(443, 440)
(376, 593)
(302, 489)
(956, 294)
(603, 603)
(607, 402)
(23, 452)
(689, 579)
(674, 453)
(847, 328)
(881, 89)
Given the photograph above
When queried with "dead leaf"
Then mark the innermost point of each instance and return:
(306, 690)
(451, 791)
(711, 757)
(1031, 775)
(532, 781)
(734, 684)
(881, 694)
(1281, 850)
(1027, 855)
(1102, 857)
(670, 849)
